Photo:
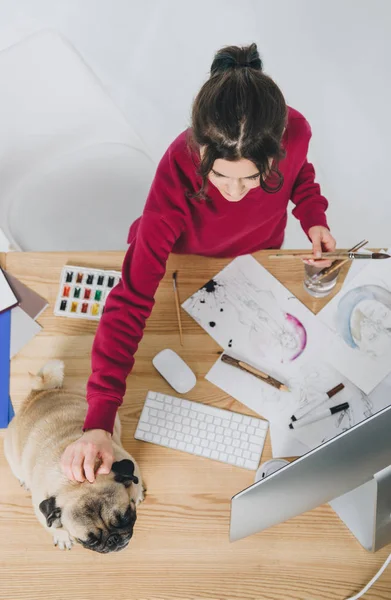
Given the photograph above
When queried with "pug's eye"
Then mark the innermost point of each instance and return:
(124, 520)
(93, 539)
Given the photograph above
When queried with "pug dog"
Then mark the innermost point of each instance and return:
(100, 515)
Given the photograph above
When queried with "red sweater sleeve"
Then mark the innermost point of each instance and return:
(306, 195)
(130, 302)
(310, 204)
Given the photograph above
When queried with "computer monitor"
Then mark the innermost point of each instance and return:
(352, 470)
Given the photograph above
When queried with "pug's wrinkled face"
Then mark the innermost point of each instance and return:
(99, 516)
(103, 520)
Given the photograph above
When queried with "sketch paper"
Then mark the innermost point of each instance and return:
(262, 398)
(283, 444)
(309, 383)
(246, 309)
(359, 319)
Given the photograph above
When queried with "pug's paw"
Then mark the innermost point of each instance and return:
(62, 539)
(23, 485)
(140, 496)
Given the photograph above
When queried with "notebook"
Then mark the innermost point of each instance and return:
(7, 296)
(5, 335)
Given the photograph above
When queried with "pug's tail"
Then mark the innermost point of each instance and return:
(49, 377)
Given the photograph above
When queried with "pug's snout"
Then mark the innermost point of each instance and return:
(113, 541)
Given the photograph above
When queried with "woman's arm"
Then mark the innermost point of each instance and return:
(311, 206)
(311, 209)
(122, 323)
(121, 326)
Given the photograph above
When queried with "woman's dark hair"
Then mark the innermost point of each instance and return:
(240, 113)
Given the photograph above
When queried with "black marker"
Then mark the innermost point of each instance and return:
(318, 416)
(306, 408)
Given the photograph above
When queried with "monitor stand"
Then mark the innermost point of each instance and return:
(366, 511)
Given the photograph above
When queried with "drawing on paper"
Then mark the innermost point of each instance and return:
(233, 304)
(359, 321)
(312, 383)
(363, 319)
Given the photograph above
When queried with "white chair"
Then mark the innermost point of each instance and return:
(73, 173)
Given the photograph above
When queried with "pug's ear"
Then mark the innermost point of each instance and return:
(52, 512)
(124, 472)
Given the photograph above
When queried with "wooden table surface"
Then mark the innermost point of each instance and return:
(180, 549)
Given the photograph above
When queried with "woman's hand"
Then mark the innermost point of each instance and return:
(320, 237)
(79, 458)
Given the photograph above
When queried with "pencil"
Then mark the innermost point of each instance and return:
(229, 360)
(177, 305)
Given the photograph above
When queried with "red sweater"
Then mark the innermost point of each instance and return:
(172, 223)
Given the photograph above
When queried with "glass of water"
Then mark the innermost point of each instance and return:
(318, 289)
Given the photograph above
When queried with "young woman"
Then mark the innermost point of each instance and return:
(221, 189)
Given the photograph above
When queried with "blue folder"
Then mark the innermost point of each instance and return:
(6, 410)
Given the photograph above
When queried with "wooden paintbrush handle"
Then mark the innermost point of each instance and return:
(234, 362)
(331, 269)
(263, 376)
(178, 312)
(253, 370)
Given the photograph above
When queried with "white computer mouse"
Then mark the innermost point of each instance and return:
(174, 370)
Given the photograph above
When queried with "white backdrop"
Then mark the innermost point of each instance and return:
(331, 59)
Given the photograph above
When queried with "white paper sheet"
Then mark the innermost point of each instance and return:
(359, 318)
(245, 309)
(23, 329)
(283, 445)
(7, 296)
(241, 308)
(311, 382)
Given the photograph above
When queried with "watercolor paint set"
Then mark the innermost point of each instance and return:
(83, 292)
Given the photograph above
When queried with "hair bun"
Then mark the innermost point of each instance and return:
(235, 57)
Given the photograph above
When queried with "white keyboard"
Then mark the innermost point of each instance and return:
(202, 430)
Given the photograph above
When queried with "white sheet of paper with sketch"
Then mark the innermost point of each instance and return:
(249, 313)
(246, 309)
(307, 383)
(359, 319)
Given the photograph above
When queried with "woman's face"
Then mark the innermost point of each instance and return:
(234, 179)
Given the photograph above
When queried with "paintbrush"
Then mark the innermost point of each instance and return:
(337, 264)
(323, 271)
(177, 305)
(347, 255)
(239, 364)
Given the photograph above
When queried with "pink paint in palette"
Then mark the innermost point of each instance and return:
(83, 292)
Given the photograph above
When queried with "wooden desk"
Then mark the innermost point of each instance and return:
(180, 549)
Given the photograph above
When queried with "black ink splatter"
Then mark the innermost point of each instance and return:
(230, 344)
(212, 324)
(211, 286)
